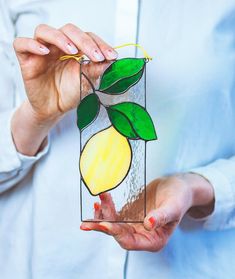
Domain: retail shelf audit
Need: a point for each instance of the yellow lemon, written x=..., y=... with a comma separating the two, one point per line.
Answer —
x=105, y=160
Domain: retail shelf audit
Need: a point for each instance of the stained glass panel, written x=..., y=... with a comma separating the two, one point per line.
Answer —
x=114, y=128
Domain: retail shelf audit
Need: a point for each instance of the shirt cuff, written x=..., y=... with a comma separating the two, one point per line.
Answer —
x=224, y=197
x=10, y=158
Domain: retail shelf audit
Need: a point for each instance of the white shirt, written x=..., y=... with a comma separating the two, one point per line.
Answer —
x=190, y=96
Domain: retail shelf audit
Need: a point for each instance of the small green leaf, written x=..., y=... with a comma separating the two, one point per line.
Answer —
x=135, y=121
x=87, y=110
x=121, y=75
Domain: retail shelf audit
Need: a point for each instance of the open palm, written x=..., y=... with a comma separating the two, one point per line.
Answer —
x=168, y=200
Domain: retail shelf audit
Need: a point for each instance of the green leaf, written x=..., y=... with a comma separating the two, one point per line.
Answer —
x=121, y=75
x=122, y=123
x=87, y=110
x=132, y=121
x=123, y=85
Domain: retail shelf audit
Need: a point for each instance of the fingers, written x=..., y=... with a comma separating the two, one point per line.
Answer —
x=160, y=217
x=69, y=39
x=27, y=45
x=108, y=207
x=127, y=236
x=83, y=42
x=123, y=233
x=94, y=71
x=97, y=211
x=133, y=239
x=117, y=230
x=94, y=226
x=55, y=37
x=107, y=50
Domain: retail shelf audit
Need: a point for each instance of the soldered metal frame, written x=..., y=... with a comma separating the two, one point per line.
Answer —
x=82, y=182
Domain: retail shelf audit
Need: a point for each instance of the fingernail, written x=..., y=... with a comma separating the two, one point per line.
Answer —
x=96, y=206
x=84, y=228
x=98, y=56
x=151, y=220
x=112, y=54
x=44, y=50
x=103, y=228
x=102, y=197
x=72, y=49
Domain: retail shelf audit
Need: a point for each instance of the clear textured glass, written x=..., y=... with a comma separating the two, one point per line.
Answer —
x=132, y=189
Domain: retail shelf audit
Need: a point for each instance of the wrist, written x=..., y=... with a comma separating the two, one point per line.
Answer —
x=202, y=195
x=38, y=119
x=28, y=130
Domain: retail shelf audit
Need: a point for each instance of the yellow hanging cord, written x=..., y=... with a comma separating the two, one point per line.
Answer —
x=136, y=45
x=79, y=57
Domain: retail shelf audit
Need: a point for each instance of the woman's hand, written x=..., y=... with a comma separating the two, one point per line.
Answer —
x=168, y=200
x=52, y=86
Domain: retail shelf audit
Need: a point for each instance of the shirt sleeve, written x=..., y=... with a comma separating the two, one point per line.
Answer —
x=27, y=14
x=221, y=175
x=13, y=165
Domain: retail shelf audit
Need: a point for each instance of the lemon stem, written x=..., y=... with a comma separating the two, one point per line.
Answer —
x=93, y=89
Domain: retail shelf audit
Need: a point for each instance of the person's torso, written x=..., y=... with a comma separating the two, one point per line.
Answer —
x=190, y=96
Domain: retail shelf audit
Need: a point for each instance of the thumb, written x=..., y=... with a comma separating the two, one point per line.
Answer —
x=161, y=216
